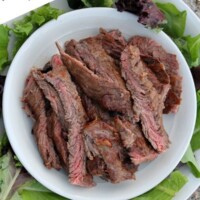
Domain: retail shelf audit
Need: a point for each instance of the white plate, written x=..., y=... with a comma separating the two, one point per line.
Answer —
x=37, y=50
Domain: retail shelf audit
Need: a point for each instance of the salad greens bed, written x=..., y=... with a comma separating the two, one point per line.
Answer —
x=15, y=182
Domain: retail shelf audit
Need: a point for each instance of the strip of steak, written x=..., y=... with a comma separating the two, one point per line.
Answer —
x=75, y=118
x=149, y=47
x=113, y=42
x=56, y=133
x=139, y=149
x=145, y=96
x=109, y=94
x=34, y=103
x=103, y=141
x=51, y=94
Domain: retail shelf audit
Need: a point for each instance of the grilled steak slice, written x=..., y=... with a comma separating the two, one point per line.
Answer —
x=56, y=133
x=146, y=98
x=113, y=42
x=103, y=141
x=75, y=119
x=139, y=149
x=34, y=102
x=51, y=94
x=149, y=47
x=98, y=61
x=108, y=93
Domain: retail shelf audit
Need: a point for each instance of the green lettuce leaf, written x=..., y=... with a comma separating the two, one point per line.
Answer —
x=190, y=160
x=167, y=189
x=4, y=40
x=176, y=20
x=98, y=3
x=26, y=26
x=33, y=190
x=8, y=175
x=193, y=44
x=190, y=47
x=195, y=143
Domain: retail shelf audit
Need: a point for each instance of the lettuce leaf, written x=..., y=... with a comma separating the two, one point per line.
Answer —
x=33, y=190
x=9, y=174
x=167, y=189
x=190, y=47
x=190, y=160
x=176, y=20
x=4, y=35
x=15, y=184
x=195, y=143
x=26, y=26
x=175, y=28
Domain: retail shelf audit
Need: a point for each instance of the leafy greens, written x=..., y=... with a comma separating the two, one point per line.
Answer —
x=190, y=47
x=22, y=29
x=4, y=35
x=175, y=28
x=25, y=27
x=98, y=3
x=176, y=20
x=195, y=144
x=190, y=160
x=32, y=190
